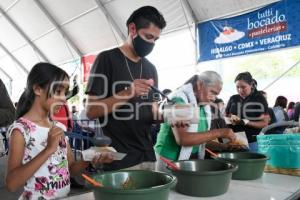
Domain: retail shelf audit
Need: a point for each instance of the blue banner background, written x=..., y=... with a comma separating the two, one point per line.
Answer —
x=272, y=27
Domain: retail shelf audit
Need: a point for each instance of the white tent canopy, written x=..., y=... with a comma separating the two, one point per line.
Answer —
x=60, y=31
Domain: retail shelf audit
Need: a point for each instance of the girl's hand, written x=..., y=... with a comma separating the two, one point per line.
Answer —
x=103, y=157
x=55, y=135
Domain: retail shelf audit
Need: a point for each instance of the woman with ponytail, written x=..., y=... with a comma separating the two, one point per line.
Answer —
x=40, y=158
x=247, y=110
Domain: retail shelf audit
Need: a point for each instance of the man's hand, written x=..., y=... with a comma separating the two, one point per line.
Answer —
x=141, y=87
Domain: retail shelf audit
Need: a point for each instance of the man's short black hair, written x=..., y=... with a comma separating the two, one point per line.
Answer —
x=143, y=16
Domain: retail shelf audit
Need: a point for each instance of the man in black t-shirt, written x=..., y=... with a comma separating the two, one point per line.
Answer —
x=119, y=91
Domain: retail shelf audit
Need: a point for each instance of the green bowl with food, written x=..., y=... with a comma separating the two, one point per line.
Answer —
x=251, y=165
x=203, y=178
x=133, y=185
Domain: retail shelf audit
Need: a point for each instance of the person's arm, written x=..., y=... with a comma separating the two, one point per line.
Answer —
x=17, y=173
x=101, y=100
x=101, y=107
x=184, y=138
x=7, y=109
x=156, y=97
x=264, y=118
x=78, y=166
x=263, y=122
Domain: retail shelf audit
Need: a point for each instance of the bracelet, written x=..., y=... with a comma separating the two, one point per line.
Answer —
x=246, y=121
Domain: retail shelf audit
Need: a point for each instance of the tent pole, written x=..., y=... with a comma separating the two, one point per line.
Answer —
x=282, y=75
x=58, y=28
x=186, y=4
x=111, y=20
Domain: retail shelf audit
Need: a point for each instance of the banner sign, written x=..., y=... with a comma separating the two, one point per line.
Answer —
x=87, y=62
x=272, y=27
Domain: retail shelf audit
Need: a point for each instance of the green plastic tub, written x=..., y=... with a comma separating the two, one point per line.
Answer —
x=283, y=150
x=133, y=185
x=203, y=178
x=250, y=165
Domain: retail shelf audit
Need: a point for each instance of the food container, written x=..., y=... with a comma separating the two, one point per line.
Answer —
x=133, y=185
x=203, y=178
x=250, y=165
x=284, y=153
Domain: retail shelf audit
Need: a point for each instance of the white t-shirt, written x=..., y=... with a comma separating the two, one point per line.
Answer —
x=52, y=179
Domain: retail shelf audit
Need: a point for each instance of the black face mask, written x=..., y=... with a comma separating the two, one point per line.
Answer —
x=141, y=46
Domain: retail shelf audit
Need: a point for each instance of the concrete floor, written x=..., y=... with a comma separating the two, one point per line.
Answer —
x=9, y=195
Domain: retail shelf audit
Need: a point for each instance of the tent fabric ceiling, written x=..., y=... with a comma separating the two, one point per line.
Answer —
x=86, y=25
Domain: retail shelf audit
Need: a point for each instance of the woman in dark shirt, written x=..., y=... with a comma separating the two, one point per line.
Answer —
x=247, y=110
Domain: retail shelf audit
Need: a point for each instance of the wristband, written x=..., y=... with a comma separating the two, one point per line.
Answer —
x=246, y=121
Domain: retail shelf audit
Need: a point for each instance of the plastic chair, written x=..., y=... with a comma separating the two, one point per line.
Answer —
x=3, y=142
x=81, y=140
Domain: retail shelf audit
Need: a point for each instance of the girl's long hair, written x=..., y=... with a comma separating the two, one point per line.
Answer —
x=44, y=75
